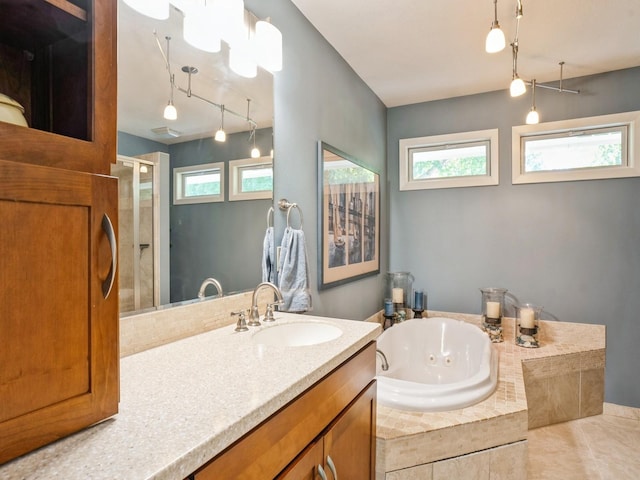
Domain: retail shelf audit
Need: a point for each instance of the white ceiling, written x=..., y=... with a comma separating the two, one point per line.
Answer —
x=411, y=51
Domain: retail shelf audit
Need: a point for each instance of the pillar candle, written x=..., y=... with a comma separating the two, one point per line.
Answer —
x=388, y=307
x=493, y=309
x=527, y=318
x=418, y=301
x=397, y=295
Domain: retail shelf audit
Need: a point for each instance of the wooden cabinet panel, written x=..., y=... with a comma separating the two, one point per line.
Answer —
x=350, y=442
x=59, y=358
x=59, y=61
x=305, y=467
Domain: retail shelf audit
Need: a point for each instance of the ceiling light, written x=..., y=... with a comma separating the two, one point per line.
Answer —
x=170, y=112
x=255, y=152
x=158, y=9
x=242, y=59
x=221, y=136
x=517, y=87
x=233, y=27
x=532, y=116
x=495, y=39
x=268, y=45
x=201, y=26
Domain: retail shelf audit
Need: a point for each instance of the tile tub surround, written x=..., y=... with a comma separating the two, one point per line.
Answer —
x=184, y=402
x=525, y=394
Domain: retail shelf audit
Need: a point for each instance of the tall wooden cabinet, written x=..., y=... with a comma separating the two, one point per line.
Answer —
x=59, y=361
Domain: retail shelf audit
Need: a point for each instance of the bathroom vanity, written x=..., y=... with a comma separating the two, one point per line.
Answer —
x=221, y=405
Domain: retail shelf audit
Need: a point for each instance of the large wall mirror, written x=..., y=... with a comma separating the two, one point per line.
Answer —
x=167, y=249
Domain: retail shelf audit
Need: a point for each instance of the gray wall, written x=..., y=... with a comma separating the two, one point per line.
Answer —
x=571, y=246
x=221, y=240
x=318, y=97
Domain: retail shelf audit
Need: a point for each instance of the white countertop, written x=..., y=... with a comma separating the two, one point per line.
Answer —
x=183, y=403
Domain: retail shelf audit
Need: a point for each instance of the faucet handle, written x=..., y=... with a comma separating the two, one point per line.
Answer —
x=241, y=326
x=268, y=316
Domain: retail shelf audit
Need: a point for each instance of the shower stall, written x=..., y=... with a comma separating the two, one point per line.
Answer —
x=137, y=225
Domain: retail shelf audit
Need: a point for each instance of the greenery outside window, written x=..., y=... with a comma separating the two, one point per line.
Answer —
x=580, y=149
x=251, y=179
x=198, y=184
x=447, y=161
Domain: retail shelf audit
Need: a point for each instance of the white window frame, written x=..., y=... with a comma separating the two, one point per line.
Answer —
x=630, y=166
x=407, y=144
x=180, y=172
x=235, y=189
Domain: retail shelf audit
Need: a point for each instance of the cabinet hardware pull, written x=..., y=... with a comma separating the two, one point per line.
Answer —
x=323, y=476
x=332, y=467
x=107, y=226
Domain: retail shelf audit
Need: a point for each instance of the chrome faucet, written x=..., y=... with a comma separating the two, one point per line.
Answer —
x=254, y=315
x=383, y=357
x=207, y=282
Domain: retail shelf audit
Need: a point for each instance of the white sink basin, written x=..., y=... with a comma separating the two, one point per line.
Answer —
x=297, y=334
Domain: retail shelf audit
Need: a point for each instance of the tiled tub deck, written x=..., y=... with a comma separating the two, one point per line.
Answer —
x=562, y=380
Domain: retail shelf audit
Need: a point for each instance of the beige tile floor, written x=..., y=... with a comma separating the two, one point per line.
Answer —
x=603, y=447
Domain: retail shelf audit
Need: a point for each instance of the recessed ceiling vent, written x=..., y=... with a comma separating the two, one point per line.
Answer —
x=166, y=132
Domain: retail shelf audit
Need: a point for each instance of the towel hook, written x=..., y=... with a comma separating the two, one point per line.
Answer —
x=270, y=217
x=294, y=205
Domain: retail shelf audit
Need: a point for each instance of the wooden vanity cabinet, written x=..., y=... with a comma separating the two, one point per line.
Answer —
x=59, y=358
x=334, y=418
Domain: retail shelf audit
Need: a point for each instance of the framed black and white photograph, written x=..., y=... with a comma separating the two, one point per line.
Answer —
x=349, y=218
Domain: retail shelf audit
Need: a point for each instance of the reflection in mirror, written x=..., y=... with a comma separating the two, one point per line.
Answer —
x=189, y=242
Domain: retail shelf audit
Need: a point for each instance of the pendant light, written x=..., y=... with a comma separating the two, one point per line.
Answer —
x=268, y=46
x=170, y=112
x=158, y=9
x=517, y=86
x=201, y=26
x=221, y=136
x=255, y=152
x=495, y=41
x=532, y=116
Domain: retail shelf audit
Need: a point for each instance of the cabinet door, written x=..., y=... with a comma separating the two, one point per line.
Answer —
x=305, y=467
x=349, y=445
x=58, y=333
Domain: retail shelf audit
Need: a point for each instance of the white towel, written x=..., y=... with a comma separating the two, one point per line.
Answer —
x=268, y=262
x=293, y=277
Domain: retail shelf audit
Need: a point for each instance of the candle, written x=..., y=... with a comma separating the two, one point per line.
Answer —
x=397, y=295
x=527, y=318
x=493, y=309
x=388, y=307
x=417, y=301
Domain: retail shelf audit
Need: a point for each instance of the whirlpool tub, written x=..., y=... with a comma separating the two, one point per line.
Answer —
x=435, y=364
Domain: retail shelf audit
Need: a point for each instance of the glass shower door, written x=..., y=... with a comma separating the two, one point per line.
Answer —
x=136, y=233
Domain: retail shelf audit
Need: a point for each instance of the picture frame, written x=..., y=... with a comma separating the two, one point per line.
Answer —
x=349, y=218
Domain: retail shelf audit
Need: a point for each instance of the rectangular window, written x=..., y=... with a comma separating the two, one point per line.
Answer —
x=580, y=149
x=251, y=179
x=198, y=184
x=447, y=161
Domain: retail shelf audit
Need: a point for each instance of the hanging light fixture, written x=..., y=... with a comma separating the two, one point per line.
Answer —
x=495, y=41
x=170, y=112
x=532, y=116
x=242, y=56
x=268, y=46
x=158, y=9
x=255, y=152
x=221, y=136
x=517, y=86
x=201, y=26
x=233, y=27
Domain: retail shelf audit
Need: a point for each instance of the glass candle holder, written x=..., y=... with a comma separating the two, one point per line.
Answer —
x=492, y=312
x=527, y=325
